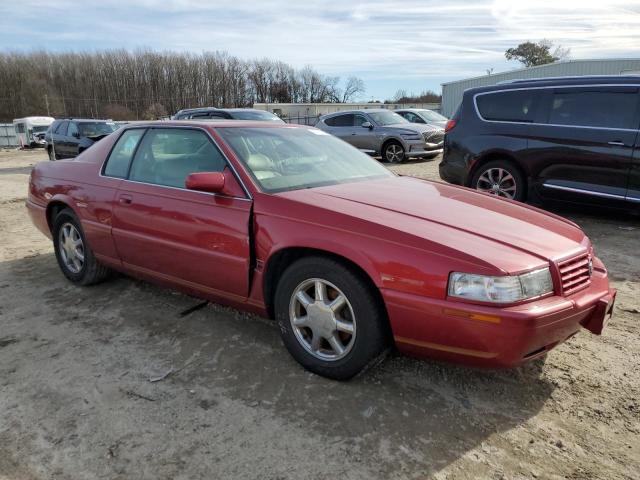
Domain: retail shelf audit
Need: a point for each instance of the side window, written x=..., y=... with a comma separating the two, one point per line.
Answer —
x=589, y=108
x=359, y=120
x=122, y=153
x=510, y=106
x=340, y=120
x=167, y=155
x=198, y=115
x=413, y=118
x=20, y=127
x=72, y=130
x=62, y=129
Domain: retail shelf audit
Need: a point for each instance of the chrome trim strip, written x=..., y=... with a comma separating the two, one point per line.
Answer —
x=475, y=104
x=633, y=199
x=580, y=190
x=186, y=127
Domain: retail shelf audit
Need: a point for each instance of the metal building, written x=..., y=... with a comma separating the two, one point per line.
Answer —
x=452, y=91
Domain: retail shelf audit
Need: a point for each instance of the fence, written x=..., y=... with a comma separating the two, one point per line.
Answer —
x=8, y=136
x=302, y=120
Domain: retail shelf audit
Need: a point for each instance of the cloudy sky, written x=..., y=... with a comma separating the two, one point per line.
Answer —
x=408, y=44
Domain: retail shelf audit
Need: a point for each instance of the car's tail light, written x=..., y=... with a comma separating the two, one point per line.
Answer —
x=450, y=125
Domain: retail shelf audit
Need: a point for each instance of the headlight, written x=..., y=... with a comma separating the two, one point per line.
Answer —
x=411, y=136
x=505, y=289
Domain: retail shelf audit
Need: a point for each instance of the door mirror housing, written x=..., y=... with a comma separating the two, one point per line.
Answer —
x=212, y=182
x=367, y=125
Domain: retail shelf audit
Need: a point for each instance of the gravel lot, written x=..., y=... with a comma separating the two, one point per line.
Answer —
x=77, y=401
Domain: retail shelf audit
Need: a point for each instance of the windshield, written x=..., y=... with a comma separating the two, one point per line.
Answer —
x=433, y=116
x=254, y=115
x=283, y=159
x=91, y=129
x=39, y=128
x=386, y=118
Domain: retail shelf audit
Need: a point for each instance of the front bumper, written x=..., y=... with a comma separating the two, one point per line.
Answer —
x=422, y=149
x=492, y=336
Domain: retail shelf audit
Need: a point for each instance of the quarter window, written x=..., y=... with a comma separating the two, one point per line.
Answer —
x=122, y=153
x=511, y=106
x=62, y=129
x=166, y=156
x=72, y=130
x=605, y=109
x=341, y=120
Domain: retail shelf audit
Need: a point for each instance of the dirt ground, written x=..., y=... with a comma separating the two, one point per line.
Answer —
x=76, y=400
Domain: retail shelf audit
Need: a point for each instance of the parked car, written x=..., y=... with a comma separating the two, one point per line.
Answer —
x=562, y=139
x=30, y=130
x=292, y=223
x=382, y=132
x=423, y=115
x=211, y=113
x=69, y=137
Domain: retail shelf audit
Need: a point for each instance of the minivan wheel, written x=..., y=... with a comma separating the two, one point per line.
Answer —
x=330, y=321
x=500, y=178
x=393, y=152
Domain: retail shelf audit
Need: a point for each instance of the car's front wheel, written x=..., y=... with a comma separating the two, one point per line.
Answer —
x=75, y=257
x=330, y=320
x=393, y=152
x=51, y=155
x=500, y=178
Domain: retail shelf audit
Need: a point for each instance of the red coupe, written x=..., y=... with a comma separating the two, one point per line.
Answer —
x=350, y=259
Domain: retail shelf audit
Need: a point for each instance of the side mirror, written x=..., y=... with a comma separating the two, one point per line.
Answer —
x=367, y=125
x=212, y=182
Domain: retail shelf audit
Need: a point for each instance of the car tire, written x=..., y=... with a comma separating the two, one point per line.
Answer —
x=51, y=155
x=74, y=256
x=393, y=152
x=501, y=178
x=359, y=324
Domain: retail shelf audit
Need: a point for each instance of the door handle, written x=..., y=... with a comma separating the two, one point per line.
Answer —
x=125, y=199
x=617, y=143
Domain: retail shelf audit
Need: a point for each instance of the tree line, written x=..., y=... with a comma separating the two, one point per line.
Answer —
x=145, y=84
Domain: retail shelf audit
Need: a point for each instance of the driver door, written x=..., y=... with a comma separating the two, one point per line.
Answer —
x=195, y=239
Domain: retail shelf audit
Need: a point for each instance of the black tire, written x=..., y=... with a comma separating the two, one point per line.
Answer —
x=91, y=271
x=372, y=336
x=513, y=178
x=50, y=152
x=391, y=154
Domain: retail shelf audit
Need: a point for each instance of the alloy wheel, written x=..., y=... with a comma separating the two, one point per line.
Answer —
x=497, y=181
x=71, y=247
x=322, y=319
x=394, y=153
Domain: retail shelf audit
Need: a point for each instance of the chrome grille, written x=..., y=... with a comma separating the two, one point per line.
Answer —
x=575, y=273
x=434, y=136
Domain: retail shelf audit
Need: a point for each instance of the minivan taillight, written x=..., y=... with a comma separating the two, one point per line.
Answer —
x=450, y=125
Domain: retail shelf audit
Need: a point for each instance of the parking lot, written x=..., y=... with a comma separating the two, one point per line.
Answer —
x=128, y=380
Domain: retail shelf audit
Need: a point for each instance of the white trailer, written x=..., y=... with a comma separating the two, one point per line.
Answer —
x=30, y=130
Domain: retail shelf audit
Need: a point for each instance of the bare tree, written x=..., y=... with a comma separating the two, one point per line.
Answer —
x=353, y=88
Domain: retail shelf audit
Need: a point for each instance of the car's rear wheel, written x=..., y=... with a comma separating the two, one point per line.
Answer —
x=393, y=152
x=500, y=178
x=330, y=320
x=75, y=257
x=51, y=155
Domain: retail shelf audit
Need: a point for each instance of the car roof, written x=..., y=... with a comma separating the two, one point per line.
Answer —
x=214, y=123
x=81, y=120
x=363, y=110
x=524, y=83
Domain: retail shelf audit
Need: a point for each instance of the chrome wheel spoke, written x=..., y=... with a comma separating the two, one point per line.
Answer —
x=336, y=344
x=344, y=326
x=321, y=291
x=300, y=321
x=316, y=341
x=339, y=302
x=304, y=299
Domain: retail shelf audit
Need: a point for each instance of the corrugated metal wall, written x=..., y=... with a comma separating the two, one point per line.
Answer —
x=452, y=92
x=8, y=135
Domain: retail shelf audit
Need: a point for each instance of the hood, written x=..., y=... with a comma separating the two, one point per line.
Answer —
x=508, y=235
x=413, y=127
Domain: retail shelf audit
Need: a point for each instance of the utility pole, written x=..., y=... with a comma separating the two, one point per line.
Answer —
x=46, y=101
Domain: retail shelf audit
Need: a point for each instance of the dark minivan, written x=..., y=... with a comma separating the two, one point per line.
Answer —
x=572, y=139
x=69, y=137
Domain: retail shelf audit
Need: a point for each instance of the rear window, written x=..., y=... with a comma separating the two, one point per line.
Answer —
x=511, y=106
x=341, y=120
x=122, y=153
x=605, y=109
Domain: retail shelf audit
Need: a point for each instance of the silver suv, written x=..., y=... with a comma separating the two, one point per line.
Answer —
x=382, y=132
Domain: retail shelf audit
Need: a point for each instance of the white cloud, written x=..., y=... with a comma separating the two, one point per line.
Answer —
x=393, y=43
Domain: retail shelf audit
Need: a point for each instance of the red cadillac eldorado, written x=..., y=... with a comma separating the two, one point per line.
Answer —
x=350, y=259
